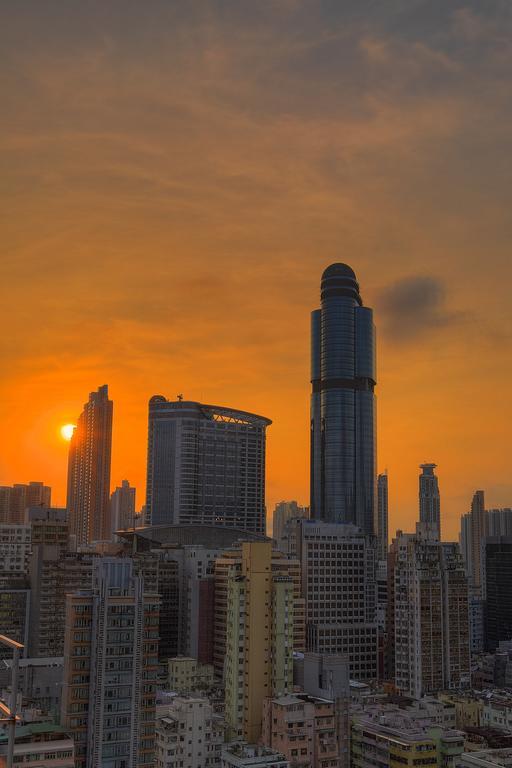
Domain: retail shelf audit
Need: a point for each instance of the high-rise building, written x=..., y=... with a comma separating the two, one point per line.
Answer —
x=499, y=522
x=259, y=639
x=111, y=664
x=228, y=566
x=206, y=465
x=429, y=627
x=382, y=516
x=89, y=471
x=338, y=564
x=430, y=502
x=498, y=578
x=284, y=511
x=122, y=507
x=343, y=404
x=15, y=499
x=478, y=520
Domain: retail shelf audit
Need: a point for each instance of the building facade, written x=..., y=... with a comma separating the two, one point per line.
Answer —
x=498, y=578
x=343, y=378
x=188, y=734
x=338, y=565
x=259, y=639
x=429, y=627
x=430, y=499
x=111, y=665
x=206, y=465
x=15, y=499
x=284, y=511
x=88, y=494
x=382, y=516
x=122, y=507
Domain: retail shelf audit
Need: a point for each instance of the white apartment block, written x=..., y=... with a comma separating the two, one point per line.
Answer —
x=188, y=734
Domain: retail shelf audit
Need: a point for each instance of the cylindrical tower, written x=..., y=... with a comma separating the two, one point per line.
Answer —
x=343, y=467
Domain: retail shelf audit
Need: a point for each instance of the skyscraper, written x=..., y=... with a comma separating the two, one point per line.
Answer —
x=89, y=470
x=206, y=465
x=343, y=404
x=382, y=516
x=430, y=504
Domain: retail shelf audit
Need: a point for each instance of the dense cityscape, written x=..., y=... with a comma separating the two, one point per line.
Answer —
x=188, y=633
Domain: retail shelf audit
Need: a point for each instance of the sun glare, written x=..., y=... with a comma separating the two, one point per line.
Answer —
x=67, y=431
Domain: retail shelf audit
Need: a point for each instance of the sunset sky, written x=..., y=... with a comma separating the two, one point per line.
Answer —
x=175, y=177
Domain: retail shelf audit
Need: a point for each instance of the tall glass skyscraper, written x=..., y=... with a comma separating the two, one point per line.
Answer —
x=343, y=477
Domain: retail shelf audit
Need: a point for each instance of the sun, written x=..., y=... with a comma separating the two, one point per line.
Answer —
x=67, y=431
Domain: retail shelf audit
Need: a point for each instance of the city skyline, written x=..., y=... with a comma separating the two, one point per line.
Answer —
x=175, y=226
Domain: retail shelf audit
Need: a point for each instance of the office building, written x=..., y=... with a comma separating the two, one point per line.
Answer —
x=242, y=755
x=15, y=499
x=122, y=507
x=429, y=498
x=111, y=664
x=338, y=565
x=206, y=465
x=429, y=627
x=259, y=639
x=284, y=511
x=88, y=496
x=188, y=734
x=382, y=516
x=343, y=378
x=498, y=578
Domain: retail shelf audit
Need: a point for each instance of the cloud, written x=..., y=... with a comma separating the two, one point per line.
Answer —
x=413, y=306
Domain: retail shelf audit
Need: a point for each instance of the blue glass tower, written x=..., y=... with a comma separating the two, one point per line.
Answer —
x=343, y=477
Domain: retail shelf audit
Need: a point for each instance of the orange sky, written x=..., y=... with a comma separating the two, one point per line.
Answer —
x=175, y=177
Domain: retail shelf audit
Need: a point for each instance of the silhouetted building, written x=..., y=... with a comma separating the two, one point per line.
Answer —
x=89, y=470
x=498, y=581
x=430, y=503
x=206, y=465
x=343, y=467
x=15, y=499
x=122, y=507
x=382, y=516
